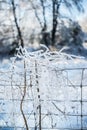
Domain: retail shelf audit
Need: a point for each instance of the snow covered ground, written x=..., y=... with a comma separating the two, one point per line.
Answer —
x=52, y=80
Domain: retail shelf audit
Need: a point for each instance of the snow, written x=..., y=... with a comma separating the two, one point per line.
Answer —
x=52, y=80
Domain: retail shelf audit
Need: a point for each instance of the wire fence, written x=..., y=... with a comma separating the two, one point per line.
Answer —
x=37, y=94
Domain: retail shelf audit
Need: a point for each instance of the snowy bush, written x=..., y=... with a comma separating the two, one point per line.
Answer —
x=70, y=33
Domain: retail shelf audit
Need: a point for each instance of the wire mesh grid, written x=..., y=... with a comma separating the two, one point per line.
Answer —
x=37, y=96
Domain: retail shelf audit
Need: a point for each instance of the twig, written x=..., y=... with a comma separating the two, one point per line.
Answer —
x=33, y=102
x=81, y=99
x=36, y=14
x=38, y=94
x=23, y=96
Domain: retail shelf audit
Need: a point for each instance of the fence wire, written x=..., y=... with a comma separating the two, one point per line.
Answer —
x=37, y=94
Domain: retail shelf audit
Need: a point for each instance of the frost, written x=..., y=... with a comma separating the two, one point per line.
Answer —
x=43, y=90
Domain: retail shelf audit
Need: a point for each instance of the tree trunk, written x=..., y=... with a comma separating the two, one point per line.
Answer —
x=56, y=6
x=17, y=26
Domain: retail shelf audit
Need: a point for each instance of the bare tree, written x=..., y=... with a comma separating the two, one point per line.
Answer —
x=16, y=23
x=47, y=13
x=55, y=9
x=55, y=14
